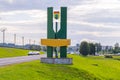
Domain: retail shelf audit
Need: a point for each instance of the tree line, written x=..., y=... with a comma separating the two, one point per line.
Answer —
x=87, y=48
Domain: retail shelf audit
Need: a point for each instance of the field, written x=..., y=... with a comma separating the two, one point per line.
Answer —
x=83, y=68
x=102, y=68
x=12, y=52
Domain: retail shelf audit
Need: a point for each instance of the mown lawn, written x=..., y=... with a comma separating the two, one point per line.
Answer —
x=83, y=68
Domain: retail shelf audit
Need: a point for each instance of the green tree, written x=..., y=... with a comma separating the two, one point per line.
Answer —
x=98, y=47
x=92, y=49
x=84, y=48
x=116, y=48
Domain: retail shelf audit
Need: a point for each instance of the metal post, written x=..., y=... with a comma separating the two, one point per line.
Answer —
x=56, y=51
x=56, y=30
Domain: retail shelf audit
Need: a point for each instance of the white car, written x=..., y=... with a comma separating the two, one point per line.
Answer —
x=33, y=53
x=118, y=53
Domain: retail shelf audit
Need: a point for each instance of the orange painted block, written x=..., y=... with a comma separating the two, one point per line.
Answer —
x=55, y=42
x=56, y=12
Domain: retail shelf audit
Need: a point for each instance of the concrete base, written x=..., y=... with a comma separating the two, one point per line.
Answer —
x=56, y=60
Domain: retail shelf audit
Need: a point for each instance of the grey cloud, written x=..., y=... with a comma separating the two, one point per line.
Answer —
x=103, y=16
x=78, y=27
x=36, y=4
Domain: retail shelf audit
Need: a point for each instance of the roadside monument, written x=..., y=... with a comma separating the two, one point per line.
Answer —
x=56, y=41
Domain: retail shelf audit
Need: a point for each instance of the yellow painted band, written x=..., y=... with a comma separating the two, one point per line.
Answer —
x=55, y=42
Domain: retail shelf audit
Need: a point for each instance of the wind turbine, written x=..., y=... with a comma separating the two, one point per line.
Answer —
x=3, y=30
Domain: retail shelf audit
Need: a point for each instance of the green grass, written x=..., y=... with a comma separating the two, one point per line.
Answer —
x=41, y=52
x=37, y=71
x=83, y=68
x=12, y=52
x=103, y=68
x=116, y=57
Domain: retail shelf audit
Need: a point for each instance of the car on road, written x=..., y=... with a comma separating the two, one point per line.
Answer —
x=70, y=52
x=118, y=54
x=33, y=53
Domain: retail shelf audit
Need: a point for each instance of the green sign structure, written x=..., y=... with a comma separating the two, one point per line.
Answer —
x=61, y=34
x=56, y=38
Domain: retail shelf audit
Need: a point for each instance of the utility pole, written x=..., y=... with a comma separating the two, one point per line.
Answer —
x=34, y=42
x=3, y=30
x=29, y=41
x=14, y=39
x=34, y=45
x=23, y=41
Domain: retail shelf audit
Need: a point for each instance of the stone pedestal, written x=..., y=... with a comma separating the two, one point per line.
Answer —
x=56, y=60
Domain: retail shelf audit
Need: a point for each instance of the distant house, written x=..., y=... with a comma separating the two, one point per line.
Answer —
x=73, y=49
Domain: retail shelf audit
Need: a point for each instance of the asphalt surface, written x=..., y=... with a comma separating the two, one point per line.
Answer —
x=13, y=60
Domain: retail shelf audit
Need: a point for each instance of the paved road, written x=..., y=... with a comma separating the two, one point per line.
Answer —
x=7, y=61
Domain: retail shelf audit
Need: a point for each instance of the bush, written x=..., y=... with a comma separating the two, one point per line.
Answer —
x=108, y=56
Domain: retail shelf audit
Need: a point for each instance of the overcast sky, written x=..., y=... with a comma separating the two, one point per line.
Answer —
x=91, y=20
